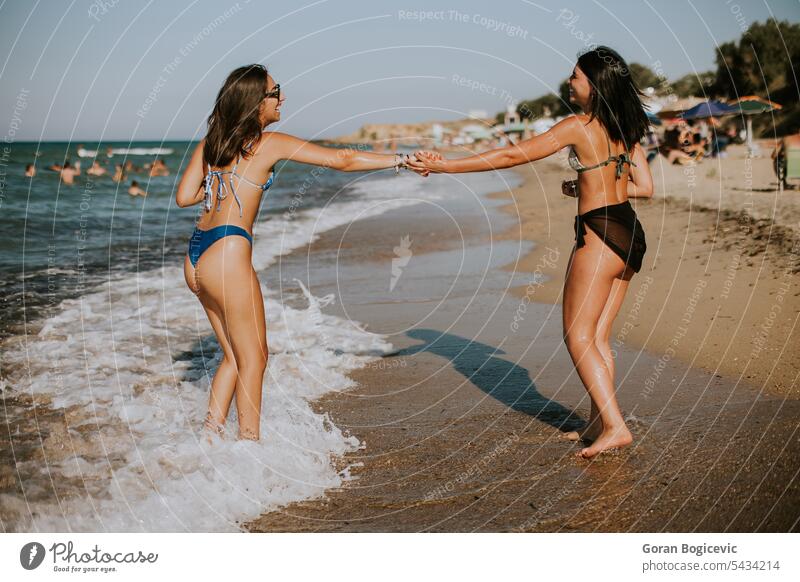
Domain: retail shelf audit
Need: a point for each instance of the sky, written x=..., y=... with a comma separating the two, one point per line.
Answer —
x=130, y=70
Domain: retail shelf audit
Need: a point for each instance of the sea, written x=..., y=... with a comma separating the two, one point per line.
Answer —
x=98, y=324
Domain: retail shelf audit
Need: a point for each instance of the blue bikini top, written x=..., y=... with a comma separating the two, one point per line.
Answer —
x=222, y=188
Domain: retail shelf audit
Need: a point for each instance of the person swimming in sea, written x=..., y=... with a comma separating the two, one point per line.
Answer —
x=68, y=172
x=96, y=169
x=135, y=190
x=158, y=168
x=119, y=173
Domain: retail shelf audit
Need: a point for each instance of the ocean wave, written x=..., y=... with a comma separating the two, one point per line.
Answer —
x=132, y=363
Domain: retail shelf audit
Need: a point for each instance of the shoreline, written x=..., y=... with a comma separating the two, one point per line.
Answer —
x=150, y=394
x=463, y=423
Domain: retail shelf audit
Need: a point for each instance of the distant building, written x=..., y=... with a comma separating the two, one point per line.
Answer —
x=511, y=117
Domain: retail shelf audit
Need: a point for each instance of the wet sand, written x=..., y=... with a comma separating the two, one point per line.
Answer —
x=463, y=426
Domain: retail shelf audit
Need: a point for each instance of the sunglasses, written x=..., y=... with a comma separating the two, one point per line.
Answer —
x=276, y=92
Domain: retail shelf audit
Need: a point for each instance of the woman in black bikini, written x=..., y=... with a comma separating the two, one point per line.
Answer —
x=218, y=265
x=610, y=250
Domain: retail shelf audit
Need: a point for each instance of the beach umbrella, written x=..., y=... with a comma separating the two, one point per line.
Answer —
x=673, y=108
x=653, y=118
x=709, y=109
x=754, y=105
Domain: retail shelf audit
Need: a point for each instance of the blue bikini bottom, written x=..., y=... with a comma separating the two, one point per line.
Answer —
x=202, y=239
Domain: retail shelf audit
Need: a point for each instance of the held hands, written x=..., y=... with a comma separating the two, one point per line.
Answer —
x=425, y=162
x=422, y=162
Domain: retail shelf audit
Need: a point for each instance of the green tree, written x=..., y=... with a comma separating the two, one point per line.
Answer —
x=763, y=62
x=760, y=62
x=732, y=79
x=644, y=76
x=549, y=105
x=694, y=85
x=543, y=106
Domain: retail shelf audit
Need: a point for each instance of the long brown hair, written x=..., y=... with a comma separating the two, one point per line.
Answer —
x=234, y=122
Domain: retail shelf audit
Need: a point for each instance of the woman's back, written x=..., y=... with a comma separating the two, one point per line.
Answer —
x=603, y=175
x=234, y=192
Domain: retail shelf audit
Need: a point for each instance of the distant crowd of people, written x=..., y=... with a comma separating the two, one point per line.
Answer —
x=687, y=142
x=69, y=171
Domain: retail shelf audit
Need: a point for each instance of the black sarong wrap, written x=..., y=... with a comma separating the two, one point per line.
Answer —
x=619, y=228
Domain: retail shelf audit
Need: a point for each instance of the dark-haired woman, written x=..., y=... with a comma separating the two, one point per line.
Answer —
x=230, y=170
x=610, y=242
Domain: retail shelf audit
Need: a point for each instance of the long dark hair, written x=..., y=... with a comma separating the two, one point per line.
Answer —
x=617, y=100
x=234, y=122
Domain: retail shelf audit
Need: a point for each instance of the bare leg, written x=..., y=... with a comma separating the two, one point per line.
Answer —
x=249, y=340
x=588, y=288
x=603, y=340
x=224, y=382
x=594, y=426
x=235, y=291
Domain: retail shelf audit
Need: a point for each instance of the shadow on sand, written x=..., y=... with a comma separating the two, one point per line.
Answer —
x=503, y=380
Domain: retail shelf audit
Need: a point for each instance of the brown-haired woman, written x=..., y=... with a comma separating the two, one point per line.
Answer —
x=236, y=158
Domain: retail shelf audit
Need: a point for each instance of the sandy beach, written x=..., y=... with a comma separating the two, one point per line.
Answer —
x=460, y=426
x=463, y=426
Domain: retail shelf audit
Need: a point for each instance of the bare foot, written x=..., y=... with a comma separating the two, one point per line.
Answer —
x=611, y=439
x=212, y=428
x=588, y=433
x=248, y=435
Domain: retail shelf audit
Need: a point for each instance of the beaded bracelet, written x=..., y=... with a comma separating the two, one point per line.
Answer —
x=400, y=161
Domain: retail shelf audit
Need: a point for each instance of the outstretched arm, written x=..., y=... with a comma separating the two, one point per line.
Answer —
x=559, y=136
x=641, y=180
x=350, y=159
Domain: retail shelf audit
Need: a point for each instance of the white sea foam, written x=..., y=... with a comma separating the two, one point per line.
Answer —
x=135, y=359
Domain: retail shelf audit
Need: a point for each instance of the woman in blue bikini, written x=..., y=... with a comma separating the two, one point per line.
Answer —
x=236, y=158
x=610, y=250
